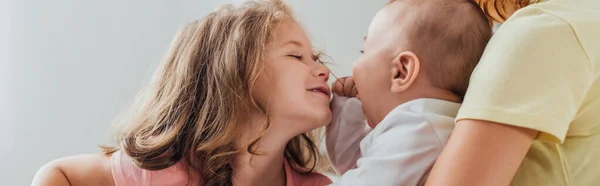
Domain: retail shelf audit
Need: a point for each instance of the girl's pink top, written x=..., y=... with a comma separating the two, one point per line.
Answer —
x=126, y=173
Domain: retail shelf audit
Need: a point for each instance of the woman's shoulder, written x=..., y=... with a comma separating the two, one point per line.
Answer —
x=529, y=34
x=546, y=20
x=532, y=23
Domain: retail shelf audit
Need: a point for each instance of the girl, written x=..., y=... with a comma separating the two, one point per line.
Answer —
x=233, y=103
x=531, y=115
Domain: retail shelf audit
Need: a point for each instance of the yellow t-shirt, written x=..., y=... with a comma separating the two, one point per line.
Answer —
x=541, y=71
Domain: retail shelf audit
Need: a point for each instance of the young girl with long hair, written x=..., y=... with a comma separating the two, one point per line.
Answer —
x=233, y=103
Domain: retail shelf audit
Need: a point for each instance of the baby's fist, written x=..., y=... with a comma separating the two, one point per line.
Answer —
x=345, y=87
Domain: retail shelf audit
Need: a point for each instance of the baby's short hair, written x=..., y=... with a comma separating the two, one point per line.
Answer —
x=449, y=37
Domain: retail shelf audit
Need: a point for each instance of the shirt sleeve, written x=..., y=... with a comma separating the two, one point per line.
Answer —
x=401, y=153
x=533, y=74
x=348, y=127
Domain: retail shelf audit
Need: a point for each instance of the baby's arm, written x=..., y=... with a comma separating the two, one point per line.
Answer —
x=348, y=127
x=398, y=154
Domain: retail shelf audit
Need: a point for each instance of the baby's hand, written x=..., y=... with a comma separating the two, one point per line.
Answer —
x=345, y=87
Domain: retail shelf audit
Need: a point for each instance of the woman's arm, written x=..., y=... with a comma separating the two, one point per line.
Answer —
x=481, y=153
x=88, y=170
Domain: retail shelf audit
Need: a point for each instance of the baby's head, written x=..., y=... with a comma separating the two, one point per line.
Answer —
x=419, y=49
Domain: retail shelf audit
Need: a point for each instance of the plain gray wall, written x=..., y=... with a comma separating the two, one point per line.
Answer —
x=68, y=67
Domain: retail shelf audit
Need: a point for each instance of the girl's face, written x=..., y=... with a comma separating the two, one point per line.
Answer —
x=294, y=84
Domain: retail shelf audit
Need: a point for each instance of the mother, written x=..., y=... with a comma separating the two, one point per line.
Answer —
x=532, y=113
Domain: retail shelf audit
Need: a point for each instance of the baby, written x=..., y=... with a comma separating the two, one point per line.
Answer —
x=414, y=71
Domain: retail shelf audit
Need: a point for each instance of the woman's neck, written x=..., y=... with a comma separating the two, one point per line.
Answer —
x=265, y=168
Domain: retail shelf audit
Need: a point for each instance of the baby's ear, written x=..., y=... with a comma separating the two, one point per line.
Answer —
x=405, y=69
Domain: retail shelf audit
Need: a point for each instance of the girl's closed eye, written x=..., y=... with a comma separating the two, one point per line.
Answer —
x=297, y=56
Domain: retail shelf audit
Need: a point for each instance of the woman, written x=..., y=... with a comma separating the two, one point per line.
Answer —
x=232, y=104
x=531, y=115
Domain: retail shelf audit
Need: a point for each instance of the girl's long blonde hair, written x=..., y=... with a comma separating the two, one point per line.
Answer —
x=202, y=91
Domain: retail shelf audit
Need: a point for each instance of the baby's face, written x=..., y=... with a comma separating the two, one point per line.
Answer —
x=373, y=69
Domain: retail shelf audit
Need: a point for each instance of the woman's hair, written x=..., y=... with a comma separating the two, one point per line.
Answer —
x=201, y=94
x=503, y=8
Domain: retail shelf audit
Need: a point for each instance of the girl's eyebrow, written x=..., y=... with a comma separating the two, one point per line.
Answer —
x=293, y=42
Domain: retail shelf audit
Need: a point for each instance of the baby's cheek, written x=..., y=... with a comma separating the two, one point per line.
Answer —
x=357, y=70
x=360, y=76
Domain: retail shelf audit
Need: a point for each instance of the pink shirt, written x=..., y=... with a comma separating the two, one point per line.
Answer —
x=125, y=173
